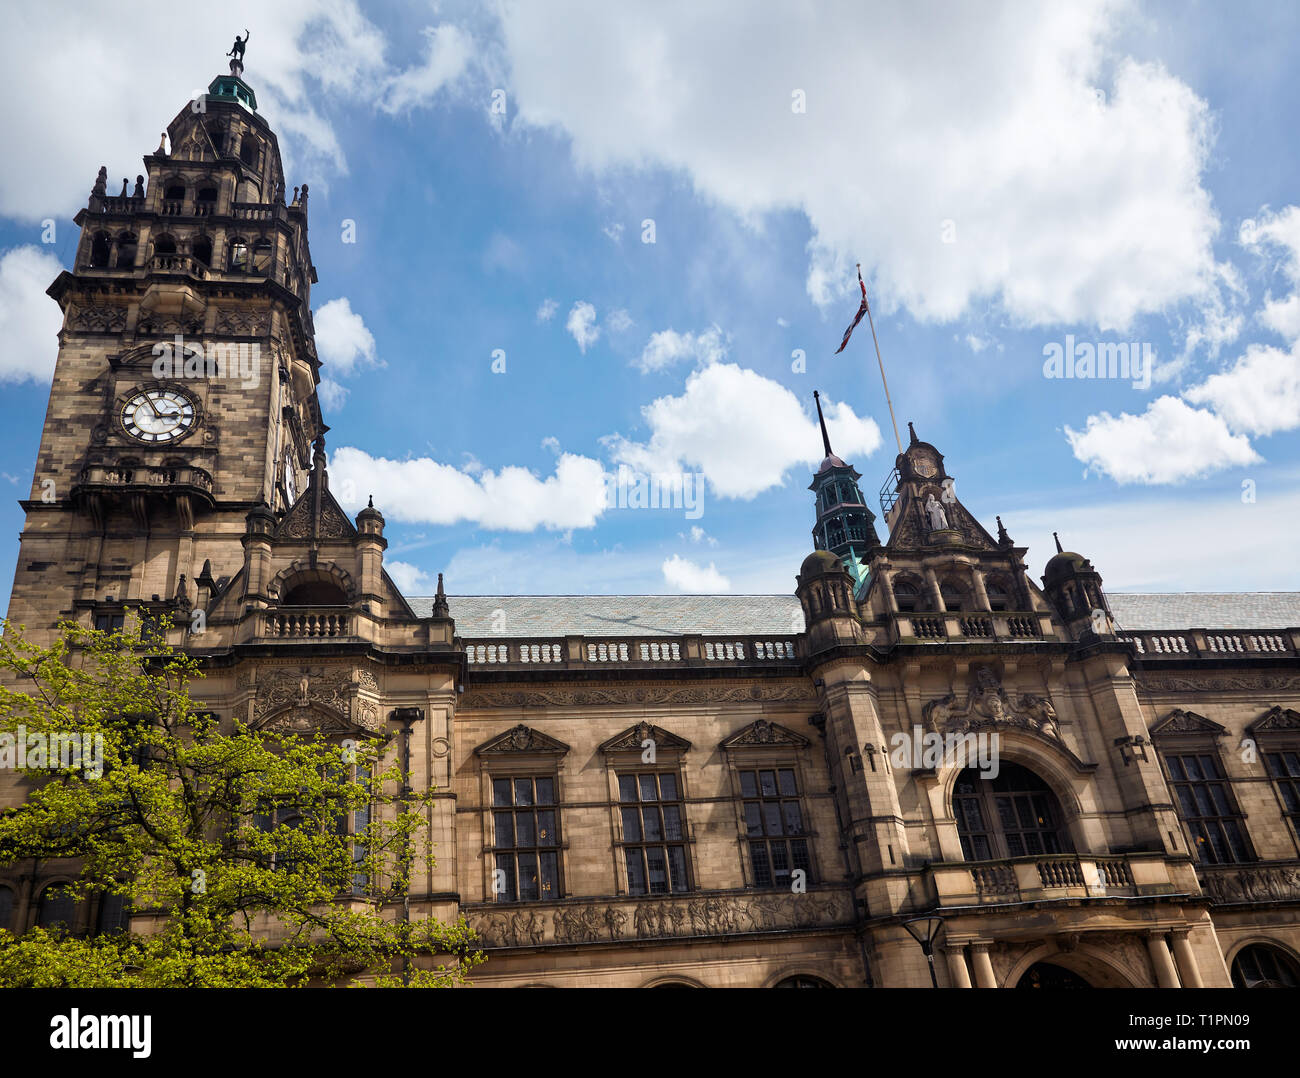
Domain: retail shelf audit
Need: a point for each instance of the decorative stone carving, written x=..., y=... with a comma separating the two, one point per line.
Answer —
x=756, y=692
x=938, y=518
x=988, y=704
x=104, y=319
x=1275, y=720
x=522, y=739
x=762, y=733
x=661, y=918
x=1235, y=683
x=306, y=698
x=1253, y=884
x=633, y=739
x=1179, y=721
x=236, y=323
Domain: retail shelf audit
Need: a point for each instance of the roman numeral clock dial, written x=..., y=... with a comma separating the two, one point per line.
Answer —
x=158, y=416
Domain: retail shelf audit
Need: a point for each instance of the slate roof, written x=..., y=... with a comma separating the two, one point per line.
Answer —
x=754, y=615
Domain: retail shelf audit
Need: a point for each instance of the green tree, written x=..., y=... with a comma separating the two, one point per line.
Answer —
x=246, y=858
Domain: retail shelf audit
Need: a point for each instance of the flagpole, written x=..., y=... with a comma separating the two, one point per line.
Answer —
x=885, y=381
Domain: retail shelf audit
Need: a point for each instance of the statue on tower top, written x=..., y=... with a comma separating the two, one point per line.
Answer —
x=237, y=49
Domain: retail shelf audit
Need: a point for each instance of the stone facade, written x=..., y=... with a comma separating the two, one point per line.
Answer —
x=760, y=764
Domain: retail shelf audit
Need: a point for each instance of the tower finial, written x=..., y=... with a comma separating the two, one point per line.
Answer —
x=440, y=607
x=1059, y=548
x=911, y=430
x=826, y=439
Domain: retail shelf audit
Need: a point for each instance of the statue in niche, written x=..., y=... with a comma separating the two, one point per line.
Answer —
x=938, y=518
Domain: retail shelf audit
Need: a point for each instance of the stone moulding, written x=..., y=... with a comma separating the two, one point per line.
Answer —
x=754, y=692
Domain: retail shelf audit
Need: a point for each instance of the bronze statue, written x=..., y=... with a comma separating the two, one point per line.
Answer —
x=237, y=49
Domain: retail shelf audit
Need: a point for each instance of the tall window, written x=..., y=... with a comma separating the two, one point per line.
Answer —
x=1013, y=815
x=653, y=833
x=56, y=908
x=526, y=839
x=1284, y=767
x=6, y=909
x=109, y=623
x=773, y=822
x=1261, y=966
x=1206, y=806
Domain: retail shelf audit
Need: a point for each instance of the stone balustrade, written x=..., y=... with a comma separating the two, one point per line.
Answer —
x=1208, y=643
x=301, y=623
x=574, y=652
x=1029, y=879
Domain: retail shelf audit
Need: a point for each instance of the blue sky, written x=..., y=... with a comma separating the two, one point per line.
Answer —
x=1007, y=177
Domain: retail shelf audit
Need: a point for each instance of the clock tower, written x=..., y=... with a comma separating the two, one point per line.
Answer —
x=184, y=393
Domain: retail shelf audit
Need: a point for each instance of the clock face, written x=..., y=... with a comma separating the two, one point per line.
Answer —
x=158, y=415
x=290, y=483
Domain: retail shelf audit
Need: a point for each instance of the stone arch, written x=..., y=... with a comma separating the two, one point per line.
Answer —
x=300, y=574
x=800, y=969
x=1094, y=964
x=669, y=980
x=1256, y=940
x=1050, y=762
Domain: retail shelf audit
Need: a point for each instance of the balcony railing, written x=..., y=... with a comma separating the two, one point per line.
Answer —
x=144, y=476
x=969, y=625
x=178, y=263
x=303, y=623
x=577, y=651
x=1030, y=879
x=1209, y=643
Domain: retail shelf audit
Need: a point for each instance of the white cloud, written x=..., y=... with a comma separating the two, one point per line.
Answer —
x=1259, y=395
x=29, y=319
x=408, y=578
x=743, y=431
x=425, y=491
x=332, y=394
x=1279, y=234
x=1168, y=443
x=342, y=339
x=668, y=347
x=614, y=231
x=618, y=321
x=699, y=535
x=685, y=575
x=1071, y=173
x=546, y=310
x=582, y=324
x=448, y=53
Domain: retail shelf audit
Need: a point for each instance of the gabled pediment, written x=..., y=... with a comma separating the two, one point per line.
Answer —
x=522, y=741
x=1276, y=720
x=334, y=523
x=1179, y=721
x=762, y=734
x=634, y=737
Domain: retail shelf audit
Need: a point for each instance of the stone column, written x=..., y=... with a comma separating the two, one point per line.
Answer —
x=977, y=582
x=1187, y=968
x=1166, y=975
x=936, y=596
x=957, y=970
x=979, y=958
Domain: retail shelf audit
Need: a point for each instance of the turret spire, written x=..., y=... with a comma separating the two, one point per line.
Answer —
x=1059, y=549
x=826, y=439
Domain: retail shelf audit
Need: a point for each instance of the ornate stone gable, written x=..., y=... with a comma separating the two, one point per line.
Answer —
x=334, y=523
x=306, y=698
x=762, y=734
x=522, y=740
x=633, y=739
x=1179, y=721
x=1276, y=720
x=988, y=704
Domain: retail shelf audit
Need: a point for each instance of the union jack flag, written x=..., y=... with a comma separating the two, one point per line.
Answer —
x=857, y=317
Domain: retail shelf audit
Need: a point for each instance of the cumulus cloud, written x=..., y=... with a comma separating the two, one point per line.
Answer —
x=342, y=339
x=999, y=137
x=618, y=321
x=425, y=491
x=743, y=431
x=448, y=52
x=582, y=324
x=685, y=575
x=668, y=347
x=408, y=578
x=1260, y=394
x=332, y=394
x=29, y=319
x=546, y=310
x=1170, y=442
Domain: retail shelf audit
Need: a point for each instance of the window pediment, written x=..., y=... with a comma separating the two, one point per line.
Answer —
x=522, y=741
x=762, y=734
x=1184, y=723
x=1277, y=720
x=633, y=738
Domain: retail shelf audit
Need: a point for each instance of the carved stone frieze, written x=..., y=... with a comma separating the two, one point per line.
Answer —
x=105, y=319
x=1252, y=884
x=1251, y=682
x=660, y=918
x=635, y=694
x=988, y=704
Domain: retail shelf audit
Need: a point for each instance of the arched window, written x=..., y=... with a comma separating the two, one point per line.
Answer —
x=6, y=909
x=908, y=596
x=1262, y=966
x=205, y=202
x=999, y=592
x=112, y=918
x=164, y=245
x=202, y=249
x=126, y=248
x=56, y=908
x=249, y=150
x=99, y=250
x=218, y=138
x=954, y=596
x=1013, y=815
x=238, y=256
x=802, y=981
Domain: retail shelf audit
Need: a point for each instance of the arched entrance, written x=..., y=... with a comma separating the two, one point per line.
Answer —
x=1050, y=975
